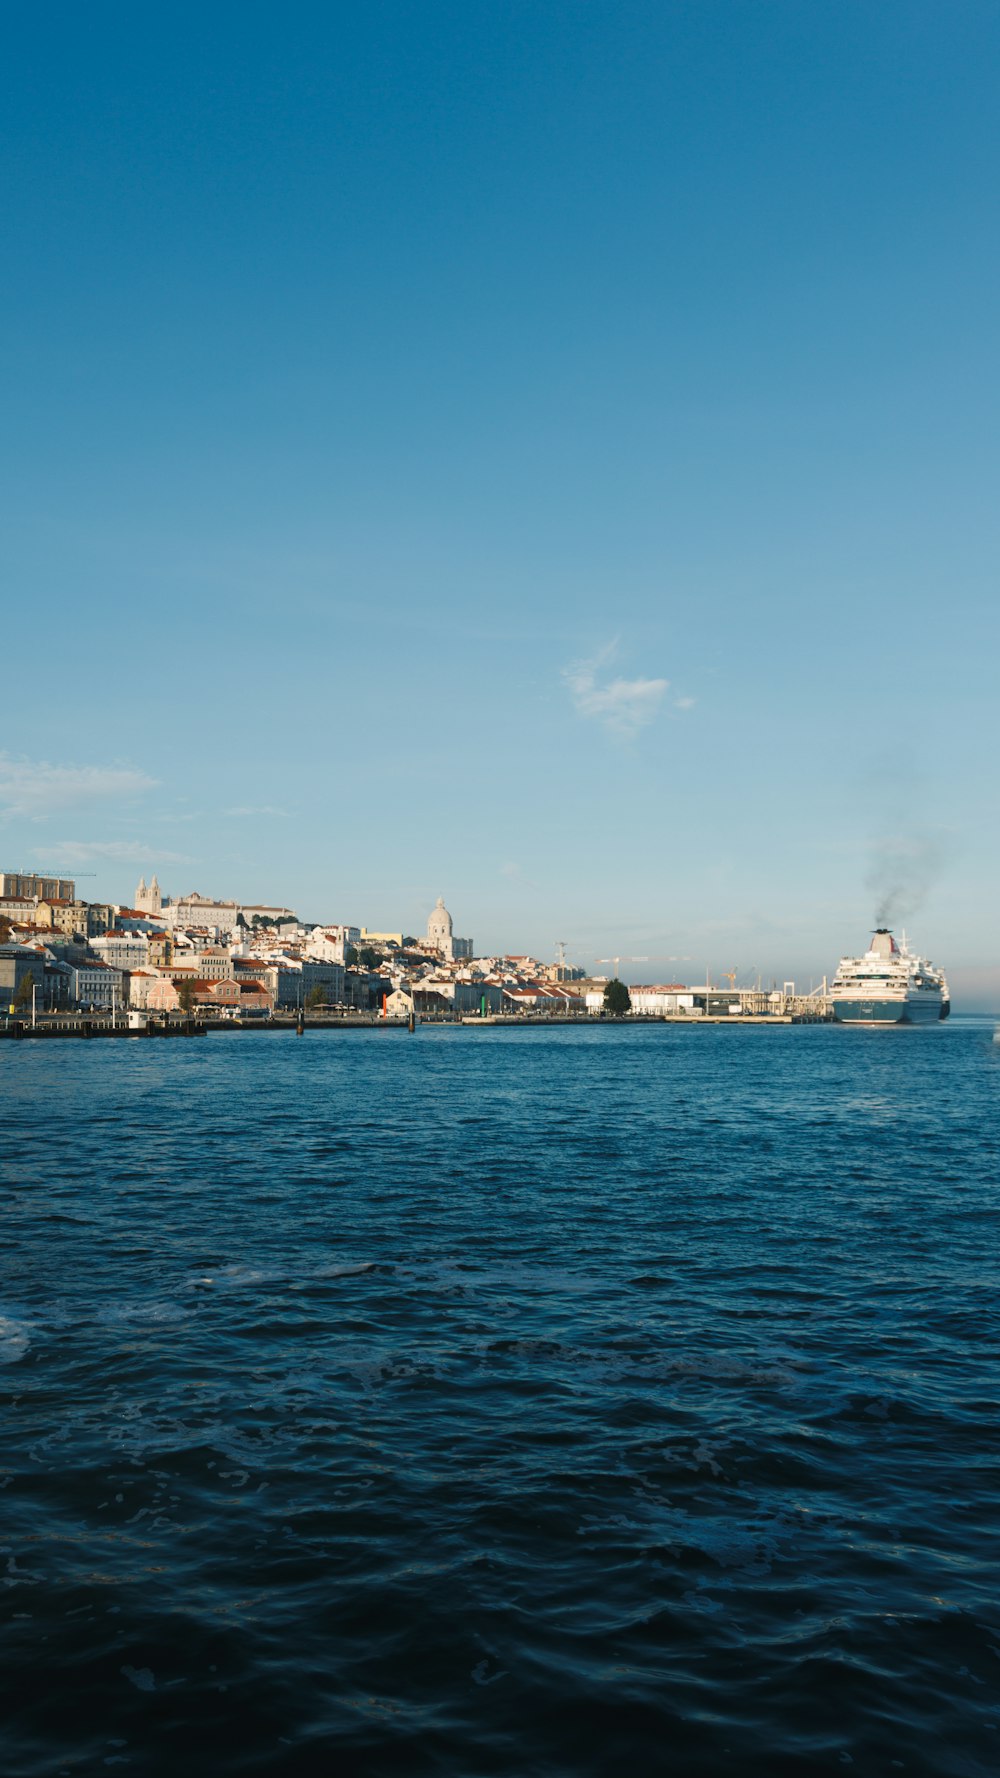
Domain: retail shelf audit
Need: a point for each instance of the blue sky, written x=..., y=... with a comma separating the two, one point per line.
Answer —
x=541, y=454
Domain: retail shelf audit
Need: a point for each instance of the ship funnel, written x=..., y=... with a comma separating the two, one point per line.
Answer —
x=883, y=944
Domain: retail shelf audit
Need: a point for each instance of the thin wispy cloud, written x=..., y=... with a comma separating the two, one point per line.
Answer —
x=622, y=706
x=514, y=873
x=77, y=852
x=36, y=787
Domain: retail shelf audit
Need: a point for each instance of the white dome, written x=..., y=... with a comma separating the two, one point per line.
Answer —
x=440, y=919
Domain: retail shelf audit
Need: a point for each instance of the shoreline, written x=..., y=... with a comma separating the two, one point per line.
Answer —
x=83, y=1030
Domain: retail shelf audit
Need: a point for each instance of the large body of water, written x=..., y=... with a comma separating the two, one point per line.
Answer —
x=538, y=1404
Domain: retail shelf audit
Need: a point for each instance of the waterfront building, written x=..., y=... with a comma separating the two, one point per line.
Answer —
x=470, y=997
x=280, y=975
x=364, y=988
x=538, y=997
x=140, y=983
x=179, y=973
x=659, y=998
x=21, y=964
x=57, y=984
x=95, y=986
x=161, y=995
x=325, y=975
x=291, y=981
x=400, y=1003
x=434, y=981
x=233, y=996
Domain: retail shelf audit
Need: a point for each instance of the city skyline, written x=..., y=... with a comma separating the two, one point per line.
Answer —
x=546, y=461
x=683, y=969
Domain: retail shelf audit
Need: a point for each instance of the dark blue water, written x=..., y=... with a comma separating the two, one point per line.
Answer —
x=479, y=1402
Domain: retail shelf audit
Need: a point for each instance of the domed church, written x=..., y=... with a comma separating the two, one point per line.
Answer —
x=440, y=934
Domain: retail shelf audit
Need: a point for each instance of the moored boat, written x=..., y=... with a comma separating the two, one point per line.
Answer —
x=889, y=985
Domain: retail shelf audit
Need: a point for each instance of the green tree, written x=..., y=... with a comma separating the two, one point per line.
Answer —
x=350, y=955
x=617, y=999
x=23, y=995
x=316, y=995
x=185, y=993
x=369, y=958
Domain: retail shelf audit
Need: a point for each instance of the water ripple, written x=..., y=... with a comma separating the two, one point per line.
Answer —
x=502, y=1404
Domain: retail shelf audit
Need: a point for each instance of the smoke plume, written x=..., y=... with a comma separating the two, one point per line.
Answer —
x=903, y=868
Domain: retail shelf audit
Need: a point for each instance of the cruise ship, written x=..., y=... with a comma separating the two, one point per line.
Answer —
x=889, y=985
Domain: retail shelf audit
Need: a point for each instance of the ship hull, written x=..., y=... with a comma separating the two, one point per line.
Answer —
x=887, y=1012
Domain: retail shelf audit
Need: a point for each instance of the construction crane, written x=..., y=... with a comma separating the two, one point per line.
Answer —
x=617, y=960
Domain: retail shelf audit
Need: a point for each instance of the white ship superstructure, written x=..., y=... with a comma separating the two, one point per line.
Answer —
x=889, y=985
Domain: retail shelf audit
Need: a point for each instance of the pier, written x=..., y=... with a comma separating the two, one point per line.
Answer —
x=80, y=1028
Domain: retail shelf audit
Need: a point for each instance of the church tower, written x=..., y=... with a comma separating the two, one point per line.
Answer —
x=439, y=930
x=148, y=901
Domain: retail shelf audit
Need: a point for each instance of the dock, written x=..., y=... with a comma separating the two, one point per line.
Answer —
x=49, y=1027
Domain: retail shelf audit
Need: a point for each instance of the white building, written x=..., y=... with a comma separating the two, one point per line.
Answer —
x=122, y=950
x=661, y=997
x=213, y=963
x=277, y=916
x=441, y=937
x=328, y=944
x=200, y=910
x=219, y=916
x=94, y=986
x=141, y=983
